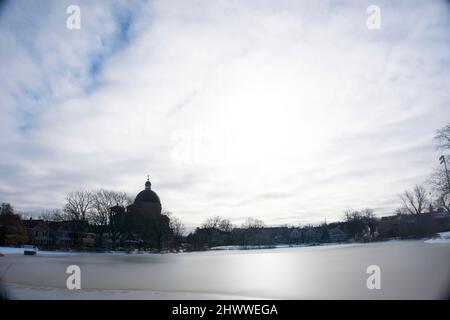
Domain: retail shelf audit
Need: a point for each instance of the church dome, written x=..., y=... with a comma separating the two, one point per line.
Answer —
x=147, y=195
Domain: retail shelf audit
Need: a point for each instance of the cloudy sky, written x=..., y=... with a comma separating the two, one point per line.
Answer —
x=287, y=111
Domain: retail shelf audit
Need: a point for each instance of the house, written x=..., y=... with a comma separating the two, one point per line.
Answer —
x=38, y=232
x=337, y=235
x=312, y=234
x=61, y=234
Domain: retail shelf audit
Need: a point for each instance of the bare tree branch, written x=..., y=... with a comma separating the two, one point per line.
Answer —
x=443, y=138
x=415, y=201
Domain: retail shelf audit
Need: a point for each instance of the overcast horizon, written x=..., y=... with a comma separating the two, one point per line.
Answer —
x=286, y=111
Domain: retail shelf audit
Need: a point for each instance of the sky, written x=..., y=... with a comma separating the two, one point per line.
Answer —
x=287, y=111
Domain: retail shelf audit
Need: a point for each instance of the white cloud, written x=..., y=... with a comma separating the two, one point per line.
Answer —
x=286, y=111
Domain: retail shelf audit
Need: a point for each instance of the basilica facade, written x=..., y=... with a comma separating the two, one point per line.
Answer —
x=141, y=223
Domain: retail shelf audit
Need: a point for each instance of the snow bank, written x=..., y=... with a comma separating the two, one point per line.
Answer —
x=442, y=237
x=284, y=246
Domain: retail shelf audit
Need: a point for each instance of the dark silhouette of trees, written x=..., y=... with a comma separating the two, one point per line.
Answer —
x=252, y=231
x=177, y=230
x=358, y=221
x=6, y=209
x=77, y=209
x=78, y=205
x=100, y=213
x=118, y=224
x=325, y=236
x=213, y=228
x=52, y=215
x=12, y=231
x=415, y=201
x=439, y=186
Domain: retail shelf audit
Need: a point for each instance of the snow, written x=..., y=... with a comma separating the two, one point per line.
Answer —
x=14, y=291
x=440, y=238
x=46, y=293
x=318, y=272
x=15, y=251
x=20, y=251
x=284, y=246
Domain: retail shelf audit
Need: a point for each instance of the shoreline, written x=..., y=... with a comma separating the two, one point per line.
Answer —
x=7, y=251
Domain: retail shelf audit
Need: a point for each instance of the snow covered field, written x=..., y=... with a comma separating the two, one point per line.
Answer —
x=409, y=269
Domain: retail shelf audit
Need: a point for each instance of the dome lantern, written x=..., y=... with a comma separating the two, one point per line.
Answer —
x=148, y=184
x=147, y=195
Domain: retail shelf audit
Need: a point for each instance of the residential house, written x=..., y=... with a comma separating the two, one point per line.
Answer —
x=38, y=232
x=337, y=235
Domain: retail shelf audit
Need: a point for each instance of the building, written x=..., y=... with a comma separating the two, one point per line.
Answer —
x=141, y=223
x=414, y=225
x=146, y=202
x=61, y=234
x=337, y=235
x=38, y=232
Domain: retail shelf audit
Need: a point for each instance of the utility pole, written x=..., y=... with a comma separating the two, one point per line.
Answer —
x=447, y=196
x=442, y=161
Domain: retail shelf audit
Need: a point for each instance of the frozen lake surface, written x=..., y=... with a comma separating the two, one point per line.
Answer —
x=409, y=270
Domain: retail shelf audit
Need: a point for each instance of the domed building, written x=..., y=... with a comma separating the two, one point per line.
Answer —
x=141, y=223
x=146, y=201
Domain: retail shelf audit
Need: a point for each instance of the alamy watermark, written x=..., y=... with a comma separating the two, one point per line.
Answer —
x=73, y=281
x=373, y=21
x=374, y=280
x=73, y=21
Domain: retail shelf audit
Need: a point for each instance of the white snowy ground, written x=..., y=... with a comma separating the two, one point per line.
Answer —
x=441, y=238
x=284, y=246
x=278, y=273
x=14, y=291
x=13, y=250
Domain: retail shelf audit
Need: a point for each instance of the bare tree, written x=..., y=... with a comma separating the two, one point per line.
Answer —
x=252, y=229
x=78, y=205
x=218, y=223
x=439, y=186
x=102, y=201
x=443, y=138
x=176, y=225
x=101, y=215
x=77, y=209
x=177, y=228
x=52, y=215
x=253, y=223
x=212, y=223
x=213, y=226
x=225, y=225
x=415, y=201
x=438, y=179
x=6, y=209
